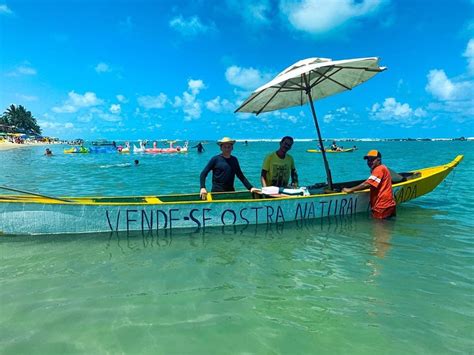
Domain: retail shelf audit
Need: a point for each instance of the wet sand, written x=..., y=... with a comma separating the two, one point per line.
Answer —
x=8, y=145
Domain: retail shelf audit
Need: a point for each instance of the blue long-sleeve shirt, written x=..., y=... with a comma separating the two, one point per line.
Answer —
x=224, y=171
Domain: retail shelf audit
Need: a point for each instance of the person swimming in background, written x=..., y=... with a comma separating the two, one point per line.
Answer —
x=48, y=152
x=136, y=162
x=200, y=147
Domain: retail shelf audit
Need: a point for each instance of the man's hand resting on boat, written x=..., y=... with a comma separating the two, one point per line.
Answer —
x=362, y=186
x=203, y=192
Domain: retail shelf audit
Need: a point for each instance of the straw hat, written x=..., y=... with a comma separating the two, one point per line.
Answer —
x=226, y=140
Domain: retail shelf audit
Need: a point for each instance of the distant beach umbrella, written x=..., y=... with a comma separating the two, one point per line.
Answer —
x=308, y=80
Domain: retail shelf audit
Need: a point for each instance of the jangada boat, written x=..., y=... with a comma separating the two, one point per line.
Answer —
x=39, y=214
x=348, y=150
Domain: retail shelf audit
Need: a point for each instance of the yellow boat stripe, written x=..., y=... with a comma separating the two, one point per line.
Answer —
x=152, y=200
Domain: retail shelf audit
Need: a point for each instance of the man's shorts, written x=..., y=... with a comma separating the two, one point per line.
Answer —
x=385, y=213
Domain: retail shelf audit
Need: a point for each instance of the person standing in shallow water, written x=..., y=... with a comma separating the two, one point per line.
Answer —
x=380, y=183
x=224, y=168
x=200, y=147
x=279, y=166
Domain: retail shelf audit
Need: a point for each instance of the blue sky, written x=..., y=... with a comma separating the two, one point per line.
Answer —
x=178, y=69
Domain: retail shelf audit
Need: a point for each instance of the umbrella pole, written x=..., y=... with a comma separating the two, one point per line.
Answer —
x=323, y=151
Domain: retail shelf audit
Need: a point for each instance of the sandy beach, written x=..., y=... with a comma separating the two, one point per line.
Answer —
x=9, y=145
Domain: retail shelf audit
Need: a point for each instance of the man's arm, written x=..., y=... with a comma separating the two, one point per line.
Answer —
x=263, y=177
x=294, y=177
x=359, y=187
x=203, y=176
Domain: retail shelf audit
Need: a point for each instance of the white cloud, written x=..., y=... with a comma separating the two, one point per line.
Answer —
x=341, y=114
x=77, y=101
x=150, y=102
x=454, y=95
x=102, y=68
x=254, y=12
x=469, y=54
x=126, y=25
x=87, y=117
x=191, y=107
x=189, y=103
x=444, y=89
x=121, y=98
x=395, y=113
x=26, y=70
x=189, y=27
x=284, y=116
x=109, y=117
x=55, y=126
x=23, y=69
x=27, y=97
x=219, y=105
x=115, y=108
x=246, y=78
x=318, y=16
x=4, y=9
x=195, y=86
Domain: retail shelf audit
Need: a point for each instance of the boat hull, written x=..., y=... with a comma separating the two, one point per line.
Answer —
x=36, y=215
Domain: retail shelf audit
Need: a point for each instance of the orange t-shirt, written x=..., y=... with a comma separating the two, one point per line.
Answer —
x=381, y=195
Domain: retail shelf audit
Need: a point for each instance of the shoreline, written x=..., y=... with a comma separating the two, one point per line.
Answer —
x=9, y=145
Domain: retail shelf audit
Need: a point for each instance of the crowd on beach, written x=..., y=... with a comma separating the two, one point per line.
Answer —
x=18, y=142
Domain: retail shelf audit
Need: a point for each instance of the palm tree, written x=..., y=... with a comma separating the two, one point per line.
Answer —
x=21, y=118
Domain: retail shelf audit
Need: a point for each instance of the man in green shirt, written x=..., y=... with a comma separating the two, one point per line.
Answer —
x=279, y=166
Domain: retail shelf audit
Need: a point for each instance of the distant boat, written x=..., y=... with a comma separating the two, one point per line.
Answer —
x=348, y=150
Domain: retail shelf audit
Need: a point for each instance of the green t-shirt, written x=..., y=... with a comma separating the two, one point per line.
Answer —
x=278, y=170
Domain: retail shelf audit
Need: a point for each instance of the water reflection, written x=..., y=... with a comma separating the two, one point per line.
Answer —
x=382, y=234
x=297, y=230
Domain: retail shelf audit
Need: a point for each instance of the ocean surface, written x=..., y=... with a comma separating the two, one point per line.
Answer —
x=346, y=286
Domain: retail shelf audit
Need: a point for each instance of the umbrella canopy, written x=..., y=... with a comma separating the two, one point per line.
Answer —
x=322, y=76
x=308, y=80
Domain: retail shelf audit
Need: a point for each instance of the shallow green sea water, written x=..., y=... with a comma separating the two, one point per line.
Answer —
x=350, y=285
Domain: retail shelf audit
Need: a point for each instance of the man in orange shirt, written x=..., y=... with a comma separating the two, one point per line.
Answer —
x=380, y=182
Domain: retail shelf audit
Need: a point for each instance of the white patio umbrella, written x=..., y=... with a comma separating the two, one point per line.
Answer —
x=307, y=80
